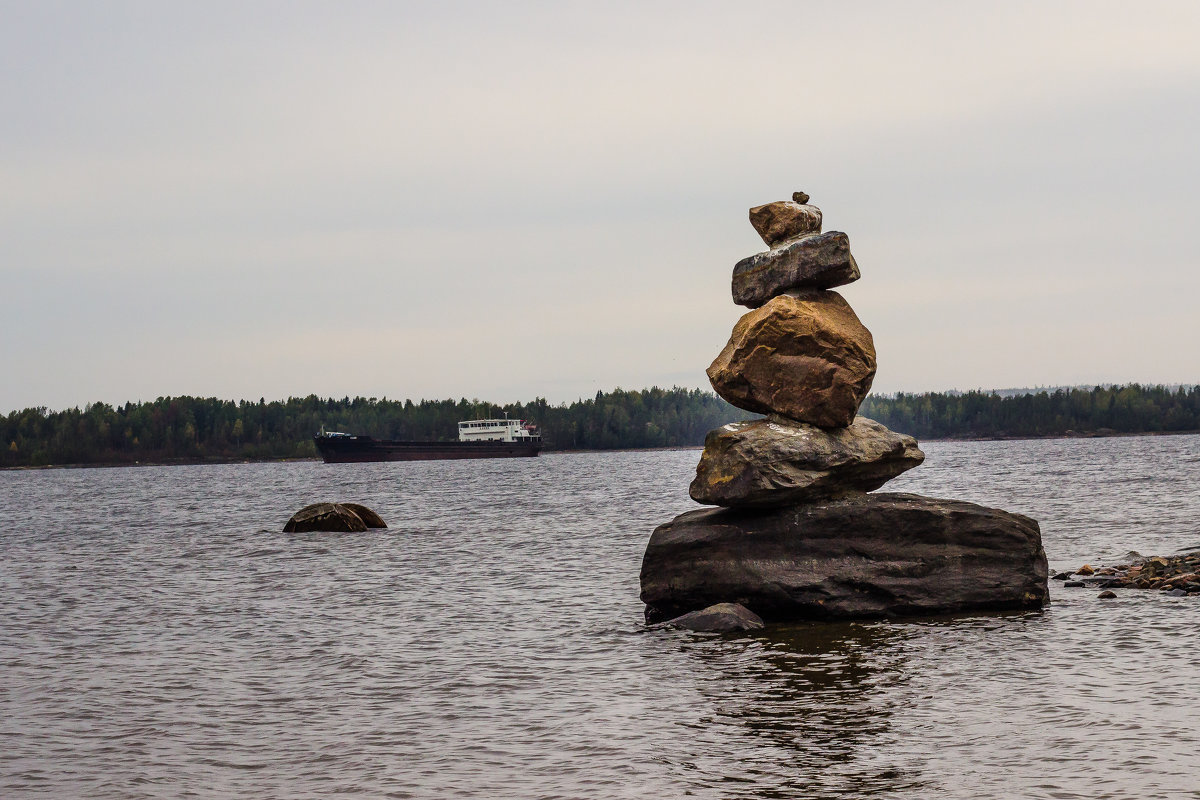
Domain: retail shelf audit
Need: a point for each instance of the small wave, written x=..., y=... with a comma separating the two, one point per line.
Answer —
x=265, y=552
x=216, y=762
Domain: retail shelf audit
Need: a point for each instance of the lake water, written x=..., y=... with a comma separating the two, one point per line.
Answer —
x=161, y=637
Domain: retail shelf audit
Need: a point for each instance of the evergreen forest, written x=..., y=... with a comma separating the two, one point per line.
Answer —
x=1062, y=412
x=196, y=430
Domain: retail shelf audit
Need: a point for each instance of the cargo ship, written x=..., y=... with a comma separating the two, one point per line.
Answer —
x=477, y=438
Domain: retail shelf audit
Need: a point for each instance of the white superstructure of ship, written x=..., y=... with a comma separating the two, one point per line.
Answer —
x=498, y=430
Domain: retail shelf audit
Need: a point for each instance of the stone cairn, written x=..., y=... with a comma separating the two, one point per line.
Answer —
x=798, y=536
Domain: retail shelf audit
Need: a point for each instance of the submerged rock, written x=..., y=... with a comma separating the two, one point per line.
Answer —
x=816, y=262
x=333, y=517
x=808, y=358
x=719, y=618
x=778, y=222
x=778, y=462
x=872, y=555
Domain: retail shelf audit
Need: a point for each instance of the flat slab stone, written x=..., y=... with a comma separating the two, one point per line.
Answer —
x=777, y=462
x=874, y=555
x=815, y=262
x=719, y=618
x=808, y=358
x=783, y=220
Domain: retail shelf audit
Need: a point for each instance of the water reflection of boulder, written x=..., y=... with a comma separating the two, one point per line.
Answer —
x=817, y=700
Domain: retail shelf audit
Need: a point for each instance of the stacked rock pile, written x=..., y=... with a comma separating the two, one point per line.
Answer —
x=799, y=536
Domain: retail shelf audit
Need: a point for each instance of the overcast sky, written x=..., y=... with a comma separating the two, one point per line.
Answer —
x=511, y=200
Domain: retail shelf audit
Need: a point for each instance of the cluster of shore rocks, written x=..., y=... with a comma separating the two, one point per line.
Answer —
x=1178, y=576
x=798, y=536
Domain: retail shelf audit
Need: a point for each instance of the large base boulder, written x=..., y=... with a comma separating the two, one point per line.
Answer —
x=874, y=555
x=778, y=462
x=805, y=357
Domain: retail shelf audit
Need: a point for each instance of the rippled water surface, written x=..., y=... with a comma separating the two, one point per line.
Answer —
x=160, y=637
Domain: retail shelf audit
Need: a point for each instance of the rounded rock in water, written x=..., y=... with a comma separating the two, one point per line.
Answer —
x=333, y=517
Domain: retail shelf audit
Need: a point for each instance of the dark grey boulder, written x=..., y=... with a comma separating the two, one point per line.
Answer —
x=872, y=555
x=719, y=618
x=781, y=462
x=333, y=517
x=816, y=262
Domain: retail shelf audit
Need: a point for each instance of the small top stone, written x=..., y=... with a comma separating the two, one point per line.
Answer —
x=799, y=197
x=782, y=221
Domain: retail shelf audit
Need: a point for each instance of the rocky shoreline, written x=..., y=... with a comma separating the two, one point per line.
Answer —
x=1177, y=576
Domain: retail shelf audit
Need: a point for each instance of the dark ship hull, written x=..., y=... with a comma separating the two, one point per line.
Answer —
x=357, y=449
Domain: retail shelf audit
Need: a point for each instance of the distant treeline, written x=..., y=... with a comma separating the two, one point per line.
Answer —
x=1113, y=409
x=191, y=429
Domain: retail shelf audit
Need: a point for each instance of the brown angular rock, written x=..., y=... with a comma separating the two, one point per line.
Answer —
x=799, y=197
x=872, y=555
x=777, y=462
x=807, y=358
x=815, y=262
x=783, y=220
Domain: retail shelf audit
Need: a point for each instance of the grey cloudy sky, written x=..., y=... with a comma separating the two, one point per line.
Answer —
x=510, y=200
